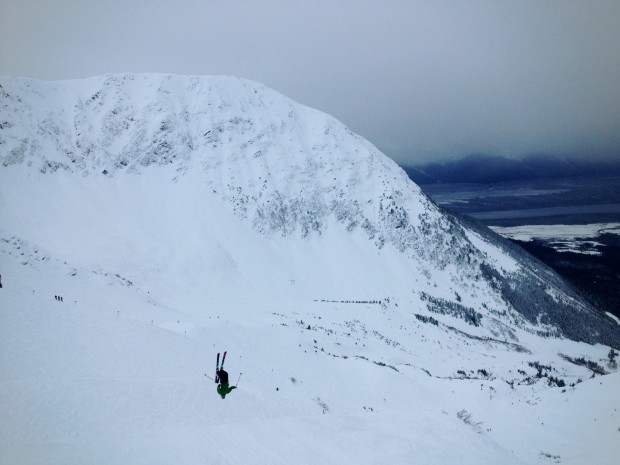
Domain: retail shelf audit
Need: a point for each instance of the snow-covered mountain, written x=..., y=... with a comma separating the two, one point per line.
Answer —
x=178, y=216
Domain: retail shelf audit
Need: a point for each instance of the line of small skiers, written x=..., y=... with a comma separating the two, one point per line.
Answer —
x=58, y=298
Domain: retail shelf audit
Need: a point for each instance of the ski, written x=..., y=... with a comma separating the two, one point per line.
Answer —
x=218, y=367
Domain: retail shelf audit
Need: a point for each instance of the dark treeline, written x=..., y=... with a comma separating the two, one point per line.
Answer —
x=529, y=293
x=447, y=307
x=596, y=276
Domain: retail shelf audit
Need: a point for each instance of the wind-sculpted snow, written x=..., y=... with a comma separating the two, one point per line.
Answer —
x=286, y=171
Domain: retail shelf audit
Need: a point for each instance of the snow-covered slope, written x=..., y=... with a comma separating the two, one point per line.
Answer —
x=285, y=170
x=179, y=216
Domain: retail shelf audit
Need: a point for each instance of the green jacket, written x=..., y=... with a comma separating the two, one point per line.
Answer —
x=223, y=389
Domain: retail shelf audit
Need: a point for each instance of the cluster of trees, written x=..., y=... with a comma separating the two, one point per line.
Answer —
x=596, y=276
x=427, y=319
x=466, y=417
x=542, y=297
x=542, y=371
x=612, y=358
x=373, y=302
x=581, y=361
x=447, y=307
x=481, y=374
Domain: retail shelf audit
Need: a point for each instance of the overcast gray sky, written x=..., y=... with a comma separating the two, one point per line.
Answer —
x=422, y=80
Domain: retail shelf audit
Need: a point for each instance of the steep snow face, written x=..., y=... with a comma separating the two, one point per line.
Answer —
x=284, y=167
x=230, y=183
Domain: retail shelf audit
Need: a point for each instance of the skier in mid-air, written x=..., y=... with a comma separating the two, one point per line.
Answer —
x=223, y=388
x=221, y=377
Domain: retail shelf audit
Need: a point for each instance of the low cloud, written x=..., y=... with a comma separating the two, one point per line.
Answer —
x=421, y=80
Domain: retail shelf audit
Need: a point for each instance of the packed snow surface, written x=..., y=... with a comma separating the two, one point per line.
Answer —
x=149, y=222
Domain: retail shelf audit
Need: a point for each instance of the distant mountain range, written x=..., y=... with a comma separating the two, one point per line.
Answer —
x=495, y=168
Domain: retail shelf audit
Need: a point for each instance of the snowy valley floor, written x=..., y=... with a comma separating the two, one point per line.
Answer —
x=112, y=375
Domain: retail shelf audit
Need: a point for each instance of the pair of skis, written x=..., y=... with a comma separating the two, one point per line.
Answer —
x=218, y=367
